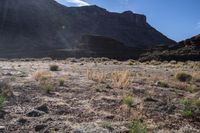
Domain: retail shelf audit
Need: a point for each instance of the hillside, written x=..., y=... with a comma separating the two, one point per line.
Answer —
x=38, y=28
x=188, y=49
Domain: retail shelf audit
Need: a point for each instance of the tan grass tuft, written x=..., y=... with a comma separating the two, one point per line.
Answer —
x=96, y=75
x=121, y=79
x=40, y=74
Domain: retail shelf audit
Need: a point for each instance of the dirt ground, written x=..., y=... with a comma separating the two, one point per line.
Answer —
x=91, y=98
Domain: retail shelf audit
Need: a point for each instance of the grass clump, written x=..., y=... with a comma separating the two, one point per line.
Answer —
x=5, y=89
x=96, y=75
x=121, y=79
x=183, y=77
x=107, y=125
x=162, y=84
x=137, y=127
x=128, y=101
x=47, y=87
x=187, y=113
x=41, y=75
x=54, y=67
x=61, y=82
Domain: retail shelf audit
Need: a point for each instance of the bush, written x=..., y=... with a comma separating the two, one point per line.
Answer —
x=54, y=67
x=128, y=100
x=183, y=77
x=61, y=82
x=162, y=84
x=187, y=113
x=47, y=87
x=5, y=89
x=137, y=127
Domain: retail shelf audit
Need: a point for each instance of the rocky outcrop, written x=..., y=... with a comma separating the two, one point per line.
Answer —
x=37, y=28
x=188, y=49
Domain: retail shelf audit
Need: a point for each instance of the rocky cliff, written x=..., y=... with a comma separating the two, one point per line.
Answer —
x=37, y=28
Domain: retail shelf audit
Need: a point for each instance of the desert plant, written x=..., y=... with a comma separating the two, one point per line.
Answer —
x=5, y=89
x=186, y=102
x=61, y=82
x=107, y=125
x=137, y=127
x=187, y=113
x=128, y=100
x=2, y=99
x=13, y=78
x=96, y=75
x=47, y=87
x=120, y=79
x=41, y=75
x=162, y=84
x=183, y=77
x=196, y=102
x=53, y=67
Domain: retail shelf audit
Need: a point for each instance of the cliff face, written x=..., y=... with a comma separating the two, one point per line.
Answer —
x=29, y=27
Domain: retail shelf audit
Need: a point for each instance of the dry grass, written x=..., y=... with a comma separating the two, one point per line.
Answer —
x=96, y=75
x=41, y=74
x=121, y=79
x=196, y=76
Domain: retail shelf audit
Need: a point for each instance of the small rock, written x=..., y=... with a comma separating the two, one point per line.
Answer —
x=2, y=128
x=150, y=99
x=43, y=108
x=35, y=113
x=110, y=117
x=22, y=121
x=2, y=114
x=40, y=127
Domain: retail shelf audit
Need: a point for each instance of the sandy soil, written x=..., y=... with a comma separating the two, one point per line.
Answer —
x=94, y=104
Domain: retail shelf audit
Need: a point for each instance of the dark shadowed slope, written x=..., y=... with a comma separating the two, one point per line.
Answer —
x=188, y=49
x=37, y=28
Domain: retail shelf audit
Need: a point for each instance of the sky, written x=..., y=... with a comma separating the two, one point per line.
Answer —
x=177, y=19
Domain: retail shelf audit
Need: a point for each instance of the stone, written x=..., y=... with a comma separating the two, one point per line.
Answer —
x=43, y=108
x=40, y=127
x=35, y=113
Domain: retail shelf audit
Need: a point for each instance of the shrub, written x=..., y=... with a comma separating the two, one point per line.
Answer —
x=128, y=101
x=5, y=89
x=13, y=78
x=162, y=84
x=2, y=99
x=47, y=87
x=54, y=67
x=137, y=127
x=61, y=82
x=187, y=113
x=107, y=125
x=183, y=77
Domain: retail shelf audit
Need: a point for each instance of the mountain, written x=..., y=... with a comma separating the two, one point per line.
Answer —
x=38, y=28
x=188, y=49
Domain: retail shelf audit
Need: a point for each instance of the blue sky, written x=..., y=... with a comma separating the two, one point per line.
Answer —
x=177, y=19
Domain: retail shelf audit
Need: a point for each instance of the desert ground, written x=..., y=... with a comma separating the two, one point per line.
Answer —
x=99, y=95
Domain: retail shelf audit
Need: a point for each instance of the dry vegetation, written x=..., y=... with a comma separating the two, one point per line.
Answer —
x=99, y=95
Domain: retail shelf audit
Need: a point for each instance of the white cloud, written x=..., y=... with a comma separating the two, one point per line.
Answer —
x=73, y=2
